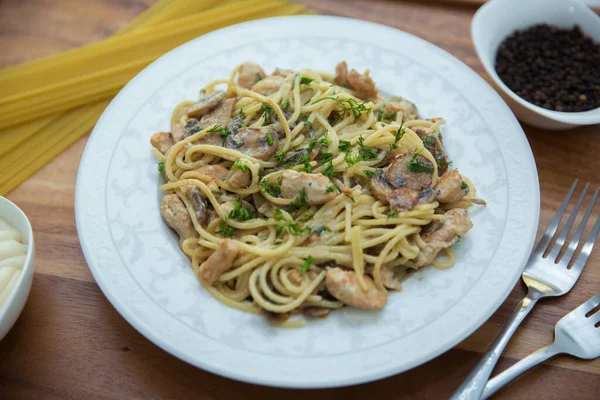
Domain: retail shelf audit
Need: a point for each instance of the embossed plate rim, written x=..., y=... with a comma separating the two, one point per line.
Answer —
x=139, y=312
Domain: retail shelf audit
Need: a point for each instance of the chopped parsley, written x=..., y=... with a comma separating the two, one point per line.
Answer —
x=325, y=157
x=345, y=146
x=401, y=131
x=240, y=213
x=306, y=264
x=161, y=167
x=390, y=117
x=329, y=169
x=306, y=161
x=293, y=228
x=348, y=105
x=305, y=81
x=429, y=140
x=285, y=105
x=242, y=113
x=217, y=192
x=416, y=165
x=364, y=153
x=278, y=241
x=299, y=203
x=392, y=214
x=441, y=163
x=259, y=78
x=241, y=164
x=330, y=189
x=278, y=214
x=217, y=128
x=274, y=189
x=351, y=198
x=369, y=174
x=270, y=139
x=267, y=113
x=225, y=229
x=464, y=187
x=279, y=157
x=438, y=192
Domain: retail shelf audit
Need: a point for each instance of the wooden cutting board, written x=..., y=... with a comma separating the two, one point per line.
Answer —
x=70, y=343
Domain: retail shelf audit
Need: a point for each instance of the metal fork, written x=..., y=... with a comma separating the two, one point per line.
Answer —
x=545, y=276
x=576, y=334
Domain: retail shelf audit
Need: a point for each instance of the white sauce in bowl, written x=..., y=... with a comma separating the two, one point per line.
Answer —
x=12, y=258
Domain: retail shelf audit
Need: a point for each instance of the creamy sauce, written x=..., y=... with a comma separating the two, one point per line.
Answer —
x=12, y=259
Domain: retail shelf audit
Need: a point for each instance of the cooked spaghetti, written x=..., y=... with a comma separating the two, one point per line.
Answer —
x=302, y=192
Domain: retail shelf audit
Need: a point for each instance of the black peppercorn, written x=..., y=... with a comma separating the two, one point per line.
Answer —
x=554, y=68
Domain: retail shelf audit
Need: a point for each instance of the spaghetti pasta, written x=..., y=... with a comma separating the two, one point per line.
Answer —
x=300, y=192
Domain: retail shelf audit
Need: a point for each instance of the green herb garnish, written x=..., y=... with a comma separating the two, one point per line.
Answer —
x=464, y=187
x=305, y=81
x=240, y=213
x=279, y=157
x=306, y=264
x=330, y=189
x=392, y=214
x=401, y=131
x=241, y=164
x=217, y=192
x=285, y=105
x=416, y=165
x=270, y=139
x=225, y=229
x=293, y=228
x=299, y=203
x=274, y=189
x=278, y=214
x=161, y=167
x=217, y=128
x=348, y=105
x=267, y=113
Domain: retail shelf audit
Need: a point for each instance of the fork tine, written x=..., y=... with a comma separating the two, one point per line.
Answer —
x=590, y=304
x=560, y=241
x=551, y=230
x=587, y=248
x=575, y=240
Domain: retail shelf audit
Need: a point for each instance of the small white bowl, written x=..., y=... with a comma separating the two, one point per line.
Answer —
x=497, y=19
x=10, y=311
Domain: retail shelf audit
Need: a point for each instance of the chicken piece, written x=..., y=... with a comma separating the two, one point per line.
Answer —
x=450, y=187
x=391, y=278
x=362, y=84
x=178, y=133
x=162, y=141
x=403, y=199
x=219, y=116
x=196, y=197
x=316, y=311
x=260, y=143
x=216, y=171
x=249, y=74
x=341, y=74
x=343, y=285
x=282, y=72
x=408, y=108
x=218, y=262
x=409, y=171
x=205, y=104
x=238, y=179
x=457, y=224
x=269, y=85
x=177, y=217
x=314, y=185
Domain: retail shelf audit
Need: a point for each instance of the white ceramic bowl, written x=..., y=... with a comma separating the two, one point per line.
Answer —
x=497, y=19
x=11, y=310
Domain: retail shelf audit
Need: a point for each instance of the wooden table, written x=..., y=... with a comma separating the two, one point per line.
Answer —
x=70, y=343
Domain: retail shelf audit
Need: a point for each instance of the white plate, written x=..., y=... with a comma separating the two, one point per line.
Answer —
x=135, y=259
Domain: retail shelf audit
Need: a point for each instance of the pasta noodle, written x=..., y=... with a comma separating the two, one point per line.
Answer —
x=300, y=192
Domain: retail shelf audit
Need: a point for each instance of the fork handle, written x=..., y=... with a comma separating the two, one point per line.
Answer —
x=506, y=376
x=472, y=387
